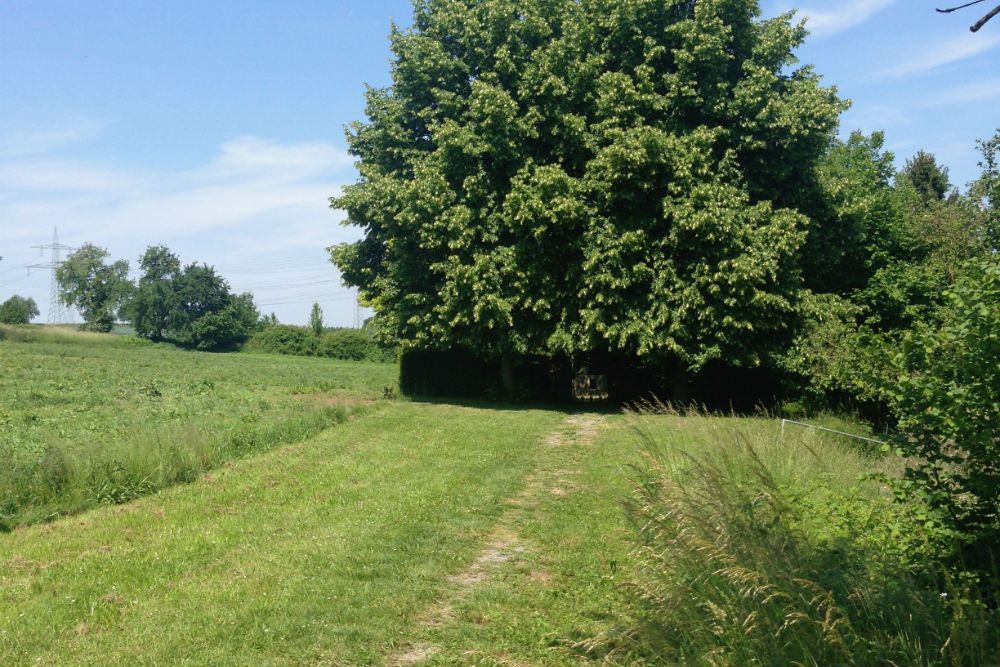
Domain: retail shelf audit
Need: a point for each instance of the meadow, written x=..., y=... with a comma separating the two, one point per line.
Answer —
x=88, y=418
x=407, y=532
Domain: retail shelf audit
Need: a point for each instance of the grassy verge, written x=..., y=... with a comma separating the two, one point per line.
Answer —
x=87, y=419
x=756, y=549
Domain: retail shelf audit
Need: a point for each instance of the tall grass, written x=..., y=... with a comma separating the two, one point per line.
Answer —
x=753, y=550
x=60, y=480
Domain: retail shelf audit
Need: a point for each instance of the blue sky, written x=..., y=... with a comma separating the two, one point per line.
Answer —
x=216, y=128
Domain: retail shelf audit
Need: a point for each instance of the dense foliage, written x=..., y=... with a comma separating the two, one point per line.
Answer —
x=947, y=394
x=98, y=290
x=345, y=344
x=18, y=310
x=553, y=176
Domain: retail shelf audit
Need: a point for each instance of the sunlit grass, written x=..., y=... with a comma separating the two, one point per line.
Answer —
x=316, y=553
x=87, y=419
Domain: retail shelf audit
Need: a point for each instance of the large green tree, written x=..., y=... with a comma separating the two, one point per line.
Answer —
x=584, y=175
x=155, y=300
x=96, y=288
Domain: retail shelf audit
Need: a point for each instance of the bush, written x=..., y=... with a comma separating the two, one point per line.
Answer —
x=283, y=339
x=18, y=310
x=948, y=399
x=348, y=344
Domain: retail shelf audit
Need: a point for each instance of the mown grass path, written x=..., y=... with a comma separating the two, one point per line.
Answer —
x=340, y=550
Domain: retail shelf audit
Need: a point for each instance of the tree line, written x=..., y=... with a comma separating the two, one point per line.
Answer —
x=190, y=305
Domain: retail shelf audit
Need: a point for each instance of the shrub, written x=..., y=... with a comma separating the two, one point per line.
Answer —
x=349, y=344
x=948, y=399
x=283, y=339
x=18, y=310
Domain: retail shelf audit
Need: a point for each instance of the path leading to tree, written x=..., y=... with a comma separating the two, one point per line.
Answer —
x=507, y=548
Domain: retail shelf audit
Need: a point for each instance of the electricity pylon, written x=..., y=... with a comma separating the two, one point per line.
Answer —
x=57, y=313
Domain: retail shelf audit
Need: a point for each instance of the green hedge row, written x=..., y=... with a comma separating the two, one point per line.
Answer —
x=348, y=344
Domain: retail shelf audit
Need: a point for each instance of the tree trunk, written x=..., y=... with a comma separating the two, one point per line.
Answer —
x=507, y=379
x=679, y=387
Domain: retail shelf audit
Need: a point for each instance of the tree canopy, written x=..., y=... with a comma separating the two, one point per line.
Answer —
x=926, y=176
x=18, y=310
x=192, y=306
x=98, y=290
x=548, y=176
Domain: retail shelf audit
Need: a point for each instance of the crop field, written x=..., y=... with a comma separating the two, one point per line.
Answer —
x=371, y=530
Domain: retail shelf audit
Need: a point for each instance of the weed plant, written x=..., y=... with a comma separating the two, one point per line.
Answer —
x=89, y=419
x=756, y=550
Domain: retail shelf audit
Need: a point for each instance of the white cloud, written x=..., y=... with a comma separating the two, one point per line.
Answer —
x=835, y=17
x=61, y=177
x=255, y=198
x=933, y=56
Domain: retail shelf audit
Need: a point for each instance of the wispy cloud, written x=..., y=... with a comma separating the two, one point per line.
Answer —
x=932, y=56
x=41, y=131
x=964, y=94
x=250, y=179
x=838, y=16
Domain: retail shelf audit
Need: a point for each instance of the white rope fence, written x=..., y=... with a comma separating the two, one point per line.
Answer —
x=828, y=430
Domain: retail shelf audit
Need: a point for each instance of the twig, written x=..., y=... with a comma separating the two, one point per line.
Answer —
x=949, y=11
x=981, y=22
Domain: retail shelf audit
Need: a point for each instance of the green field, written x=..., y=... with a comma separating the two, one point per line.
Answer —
x=404, y=533
x=89, y=418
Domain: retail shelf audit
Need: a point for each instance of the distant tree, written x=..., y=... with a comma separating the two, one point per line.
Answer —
x=316, y=319
x=555, y=176
x=97, y=289
x=981, y=22
x=155, y=299
x=225, y=329
x=929, y=179
x=191, y=306
x=206, y=315
x=18, y=310
x=985, y=191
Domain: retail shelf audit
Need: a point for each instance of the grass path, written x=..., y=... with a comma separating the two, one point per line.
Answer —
x=489, y=534
x=546, y=573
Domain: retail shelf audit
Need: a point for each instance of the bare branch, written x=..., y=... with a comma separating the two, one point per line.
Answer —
x=982, y=21
x=949, y=11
